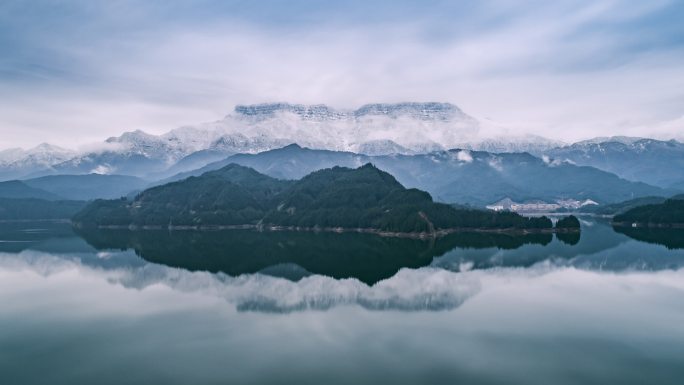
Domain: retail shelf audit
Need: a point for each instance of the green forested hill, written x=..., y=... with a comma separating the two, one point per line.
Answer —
x=366, y=197
x=668, y=213
x=233, y=195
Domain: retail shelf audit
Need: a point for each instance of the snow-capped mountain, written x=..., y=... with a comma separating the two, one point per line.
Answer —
x=533, y=144
x=627, y=140
x=17, y=162
x=379, y=128
x=372, y=129
x=652, y=161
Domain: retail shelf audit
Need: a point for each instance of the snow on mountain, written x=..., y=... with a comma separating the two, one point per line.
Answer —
x=626, y=140
x=656, y=162
x=44, y=155
x=533, y=144
x=389, y=128
x=17, y=162
x=10, y=155
x=372, y=129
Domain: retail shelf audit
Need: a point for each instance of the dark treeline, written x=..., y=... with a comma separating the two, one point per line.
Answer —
x=670, y=238
x=668, y=213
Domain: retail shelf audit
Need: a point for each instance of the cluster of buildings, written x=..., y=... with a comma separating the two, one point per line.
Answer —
x=539, y=206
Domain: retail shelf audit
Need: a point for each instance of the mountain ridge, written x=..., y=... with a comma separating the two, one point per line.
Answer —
x=455, y=176
x=376, y=129
x=365, y=199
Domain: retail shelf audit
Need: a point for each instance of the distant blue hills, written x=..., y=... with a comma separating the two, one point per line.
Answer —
x=475, y=178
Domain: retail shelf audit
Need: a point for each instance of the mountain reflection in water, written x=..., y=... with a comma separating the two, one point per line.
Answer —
x=368, y=258
x=672, y=238
x=604, y=308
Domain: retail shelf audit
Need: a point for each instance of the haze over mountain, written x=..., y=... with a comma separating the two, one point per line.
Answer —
x=17, y=189
x=639, y=159
x=88, y=186
x=17, y=162
x=373, y=129
x=407, y=139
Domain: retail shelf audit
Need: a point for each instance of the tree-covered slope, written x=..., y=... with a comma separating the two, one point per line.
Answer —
x=233, y=195
x=352, y=198
x=366, y=197
x=668, y=213
x=621, y=207
x=458, y=176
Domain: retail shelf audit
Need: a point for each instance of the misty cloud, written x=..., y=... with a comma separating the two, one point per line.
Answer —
x=425, y=289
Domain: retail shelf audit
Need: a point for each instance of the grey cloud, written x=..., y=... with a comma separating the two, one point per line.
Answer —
x=566, y=70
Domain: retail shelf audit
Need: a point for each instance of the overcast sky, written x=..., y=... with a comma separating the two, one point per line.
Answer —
x=74, y=72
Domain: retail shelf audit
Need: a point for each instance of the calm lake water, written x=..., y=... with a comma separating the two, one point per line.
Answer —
x=118, y=307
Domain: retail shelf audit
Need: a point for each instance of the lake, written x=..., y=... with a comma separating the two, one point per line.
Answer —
x=153, y=307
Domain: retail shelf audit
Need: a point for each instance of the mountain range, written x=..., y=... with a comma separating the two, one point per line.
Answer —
x=433, y=146
x=373, y=129
x=363, y=199
x=656, y=162
x=16, y=162
x=455, y=176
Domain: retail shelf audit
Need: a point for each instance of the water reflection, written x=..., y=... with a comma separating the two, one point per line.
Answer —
x=571, y=238
x=670, y=238
x=487, y=309
x=368, y=258
x=293, y=255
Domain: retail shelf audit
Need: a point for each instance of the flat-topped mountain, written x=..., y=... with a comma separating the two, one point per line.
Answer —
x=424, y=111
x=337, y=198
x=374, y=129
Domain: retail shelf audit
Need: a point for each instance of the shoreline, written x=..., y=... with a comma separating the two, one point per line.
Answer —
x=61, y=220
x=383, y=233
x=642, y=225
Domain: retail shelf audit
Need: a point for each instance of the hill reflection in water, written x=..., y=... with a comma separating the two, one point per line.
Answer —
x=668, y=237
x=368, y=258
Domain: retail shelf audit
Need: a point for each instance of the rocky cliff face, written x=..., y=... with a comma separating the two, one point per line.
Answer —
x=321, y=112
